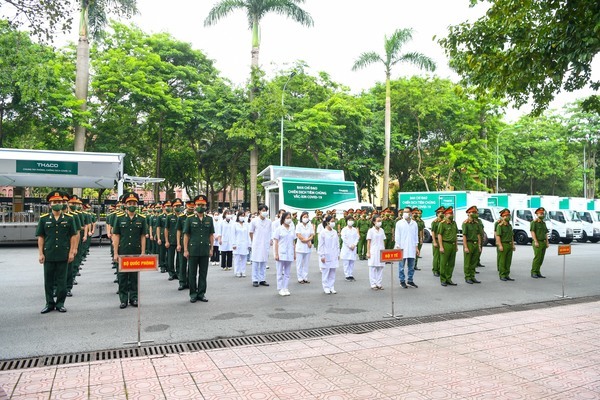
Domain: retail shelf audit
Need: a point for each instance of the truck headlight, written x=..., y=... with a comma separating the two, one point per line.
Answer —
x=596, y=231
x=569, y=231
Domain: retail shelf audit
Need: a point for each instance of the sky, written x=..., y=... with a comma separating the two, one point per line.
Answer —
x=343, y=29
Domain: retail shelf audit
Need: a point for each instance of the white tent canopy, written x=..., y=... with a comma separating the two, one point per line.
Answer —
x=60, y=168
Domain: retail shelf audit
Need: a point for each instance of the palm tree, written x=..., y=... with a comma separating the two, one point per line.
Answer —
x=255, y=10
x=392, y=56
x=92, y=18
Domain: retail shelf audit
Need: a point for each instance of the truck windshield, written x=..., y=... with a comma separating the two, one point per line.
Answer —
x=585, y=216
x=557, y=216
x=486, y=214
x=573, y=216
x=525, y=214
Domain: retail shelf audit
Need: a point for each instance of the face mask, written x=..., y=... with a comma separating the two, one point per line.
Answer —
x=64, y=207
x=450, y=217
x=178, y=209
x=350, y=223
x=189, y=210
x=507, y=218
x=216, y=217
x=475, y=215
x=406, y=216
x=378, y=224
x=199, y=210
x=264, y=214
x=242, y=219
x=332, y=224
x=169, y=209
x=288, y=221
x=73, y=207
x=228, y=217
x=56, y=207
x=540, y=216
x=131, y=208
x=305, y=220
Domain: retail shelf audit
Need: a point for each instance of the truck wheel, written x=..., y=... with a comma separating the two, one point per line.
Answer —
x=554, y=237
x=521, y=238
x=584, y=237
x=484, y=241
x=595, y=240
x=426, y=236
x=567, y=241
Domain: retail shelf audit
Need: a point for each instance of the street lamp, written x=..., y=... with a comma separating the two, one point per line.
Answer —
x=282, y=115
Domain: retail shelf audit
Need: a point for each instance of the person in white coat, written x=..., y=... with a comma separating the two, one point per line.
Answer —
x=305, y=233
x=407, y=239
x=226, y=233
x=214, y=259
x=329, y=252
x=260, y=235
x=285, y=252
x=375, y=243
x=240, y=244
x=350, y=238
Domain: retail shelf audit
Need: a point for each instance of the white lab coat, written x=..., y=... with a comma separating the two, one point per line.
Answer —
x=226, y=234
x=329, y=248
x=350, y=237
x=305, y=231
x=285, y=237
x=217, y=225
x=261, y=240
x=407, y=238
x=377, y=237
x=241, y=240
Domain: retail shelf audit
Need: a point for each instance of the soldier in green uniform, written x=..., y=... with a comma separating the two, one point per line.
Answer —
x=199, y=232
x=295, y=218
x=505, y=245
x=341, y=224
x=182, y=266
x=152, y=228
x=388, y=225
x=471, y=245
x=170, y=234
x=160, y=236
x=73, y=268
x=434, y=239
x=480, y=223
x=129, y=238
x=446, y=234
x=421, y=232
x=539, y=233
x=363, y=225
x=57, y=241
x=316, y=221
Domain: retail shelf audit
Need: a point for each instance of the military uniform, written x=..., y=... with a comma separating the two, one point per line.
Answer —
x=420, y=232
x=160, y=240
x=170, y=234
x=504, y=238
x=130, y=232
x=182, y=271
x=434, y=237
x=481, y=230
x=199, y=233
x=447, y=231
x=472, y=243
x=363, y=226
x=56, y=233
x=316, y=221
x=539, y=228
x=388, y=225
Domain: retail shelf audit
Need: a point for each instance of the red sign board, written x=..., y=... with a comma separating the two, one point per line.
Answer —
x=138, y=263
x=564, y=249
x=391, y=255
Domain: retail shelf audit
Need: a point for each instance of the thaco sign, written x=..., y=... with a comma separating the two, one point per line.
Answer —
x=47, y=167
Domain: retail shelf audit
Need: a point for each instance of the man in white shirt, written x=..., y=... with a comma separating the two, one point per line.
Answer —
x=260, y=235
x=407, y=239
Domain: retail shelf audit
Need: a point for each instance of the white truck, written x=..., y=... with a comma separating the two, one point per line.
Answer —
x=585, y=211
x=563, y=225
x=521, y=215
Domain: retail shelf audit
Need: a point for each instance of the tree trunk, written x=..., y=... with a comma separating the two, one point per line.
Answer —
x=387, y=140
x=1, y=126
x=419, y=153
x=82, y=75
x=253, y=91
x=158, y=160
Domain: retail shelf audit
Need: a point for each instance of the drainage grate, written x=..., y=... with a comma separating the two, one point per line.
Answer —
x=360, y=328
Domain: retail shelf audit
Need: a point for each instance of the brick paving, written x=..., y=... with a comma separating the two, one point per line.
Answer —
x=549, y=353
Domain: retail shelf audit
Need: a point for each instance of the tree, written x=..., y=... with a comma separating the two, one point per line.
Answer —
x=255, y=10
x=41, y=17
x=531, y=49
x=392, y=47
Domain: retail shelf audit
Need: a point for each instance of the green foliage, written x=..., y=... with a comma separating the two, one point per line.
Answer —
x=528, y=50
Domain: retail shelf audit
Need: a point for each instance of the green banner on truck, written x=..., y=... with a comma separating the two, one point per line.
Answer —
x=314, y=194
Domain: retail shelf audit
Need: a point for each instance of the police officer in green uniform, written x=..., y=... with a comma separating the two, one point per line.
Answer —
x=316, y=221
x=363, y=226
x=505, y=245
x=129, y=238
x=182, y=266
x=388, y=225
x=341, y=224
x=471, y=245
x=481, y=230
x=199, y=232
x=447, y=231
x=170, y=234
x=421, y=231
x=57, y=241
x=434, y=239
x=539, y=233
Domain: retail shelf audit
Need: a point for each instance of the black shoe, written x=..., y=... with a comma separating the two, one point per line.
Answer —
x=508, y=278
x=444, y=284
x=417, y=269
x=123, y=305
x=541, y=276
x=469, y=281
x=503, y=279
x=69, y=294
x=352, y=279
x=163, y=270
x=347, y=278
x=480, y=266
x=403, y=284
x=47, y=309
x=255, y=284
x=78, y=274
x=436, y=274
x=476, y=272
x=175, y=277
x=193, y=300
x=534, y=276
x=171, y=278
x=134, y=303
x=475, y=280
x=263, y=283
x=116, y=281
x=54, y=294
x=61, y=309
x=203, y=299
x=181, y=287
x=452, y=283
x=412, y=284
x=74, y=282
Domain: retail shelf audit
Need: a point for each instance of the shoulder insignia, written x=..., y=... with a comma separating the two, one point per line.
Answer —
x=44, y=215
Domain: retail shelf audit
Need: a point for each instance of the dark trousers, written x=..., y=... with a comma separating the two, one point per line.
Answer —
x=215, y=256
x=182, y=269
x=162, y=256
x=198, y=269
x=128, y=286
x=171, y=259
x=226, y=259
x=55, y=272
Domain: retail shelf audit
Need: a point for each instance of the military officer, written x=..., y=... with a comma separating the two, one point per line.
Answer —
x=182, y=266
x=129, y=238
x=57, y=244
x=505, y=245
x=316, y=221
x=421, y=232
x=199, y=235
x=73, y=268
x=170, y=234
x=539, y=234
x=434, y=239
x=446, y=234
x=363, y=225
x=388, y=225
x=471, y=245
x=160, y=235
x=481, y=230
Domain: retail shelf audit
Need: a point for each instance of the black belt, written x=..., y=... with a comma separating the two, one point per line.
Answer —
x=473, y=241
x=448, y=241
x=507, y=242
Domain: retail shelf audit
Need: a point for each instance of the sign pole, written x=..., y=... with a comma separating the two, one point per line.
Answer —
x=390, y=256
x=564, y=250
